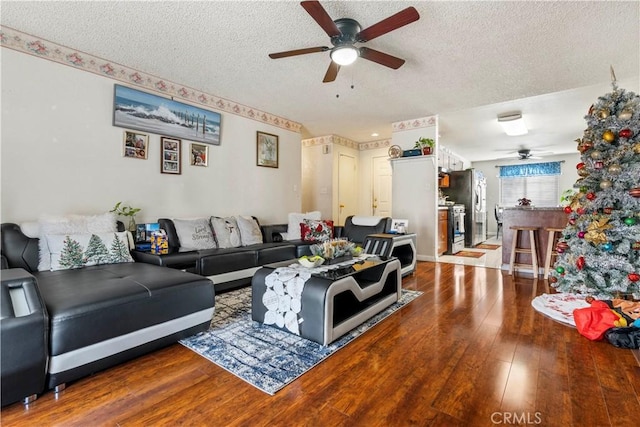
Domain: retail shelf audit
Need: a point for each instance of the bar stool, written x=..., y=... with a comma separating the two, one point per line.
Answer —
x=551, y=245
x=515, y=249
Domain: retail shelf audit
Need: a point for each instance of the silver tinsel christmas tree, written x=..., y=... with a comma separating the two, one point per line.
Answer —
x=599, y=251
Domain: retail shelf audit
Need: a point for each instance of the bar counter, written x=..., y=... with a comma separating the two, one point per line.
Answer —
x=531, y=217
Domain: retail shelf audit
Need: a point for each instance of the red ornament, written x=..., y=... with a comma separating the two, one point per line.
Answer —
x=580, y=211
x=634, y=277
x=598, y=165
x=591, y=196
x=585, y=146
x=562, y=246
x=580, y=263
x=580, y=165
x=568, y=210
x=625, y=133
x=553, y=279
x=635, y=192
x=608, y=210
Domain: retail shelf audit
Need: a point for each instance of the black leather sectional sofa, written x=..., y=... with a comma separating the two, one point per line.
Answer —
x=58, y=326
x=234, y=267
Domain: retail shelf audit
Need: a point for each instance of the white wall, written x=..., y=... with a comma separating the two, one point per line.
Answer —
x=61, y=155
x=567, y=179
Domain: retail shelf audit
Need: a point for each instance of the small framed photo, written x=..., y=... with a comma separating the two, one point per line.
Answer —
x=199, y=154
x=170, y=155
x=267, y=150
x=135, y=145
x=399, y=226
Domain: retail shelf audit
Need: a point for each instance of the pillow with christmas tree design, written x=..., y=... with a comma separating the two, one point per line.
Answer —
x=82, y=250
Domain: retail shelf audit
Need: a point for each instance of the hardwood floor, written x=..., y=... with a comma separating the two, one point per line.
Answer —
x=469, y=352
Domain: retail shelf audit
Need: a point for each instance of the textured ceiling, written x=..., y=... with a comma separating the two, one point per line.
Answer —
x=466, y=61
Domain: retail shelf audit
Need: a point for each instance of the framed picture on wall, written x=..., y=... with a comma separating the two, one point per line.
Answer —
x=267, y=150
x=135, y=145
x=199, y=155
x=147, y=112
x=170, y=155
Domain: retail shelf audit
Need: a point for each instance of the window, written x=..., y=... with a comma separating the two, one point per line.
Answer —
x=538, y=182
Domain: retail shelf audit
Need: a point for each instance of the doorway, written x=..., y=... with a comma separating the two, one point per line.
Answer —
x=382, y=185
x=347, y=185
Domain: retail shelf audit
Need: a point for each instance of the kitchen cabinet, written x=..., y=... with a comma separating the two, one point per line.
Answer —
x=443, y=227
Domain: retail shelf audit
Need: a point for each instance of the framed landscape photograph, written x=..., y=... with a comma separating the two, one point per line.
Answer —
x=199, y=154
x=135, y=145
x=267, y=150
x=170, y=155
x=143, y=111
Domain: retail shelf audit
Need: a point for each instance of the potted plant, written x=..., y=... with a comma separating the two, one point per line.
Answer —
x=120, y=209
x=426, y=144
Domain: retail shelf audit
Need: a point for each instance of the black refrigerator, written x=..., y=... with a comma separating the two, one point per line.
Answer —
x=469, y=188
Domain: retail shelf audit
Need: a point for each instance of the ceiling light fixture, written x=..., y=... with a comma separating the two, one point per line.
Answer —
x=513, y=124
x=375, y=134
x=344, y=55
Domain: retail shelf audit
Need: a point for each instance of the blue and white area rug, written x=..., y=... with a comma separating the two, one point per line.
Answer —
x=266, y=357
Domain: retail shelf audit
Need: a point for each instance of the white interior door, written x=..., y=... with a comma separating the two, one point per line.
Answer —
x=382, y=184
x=347, y=183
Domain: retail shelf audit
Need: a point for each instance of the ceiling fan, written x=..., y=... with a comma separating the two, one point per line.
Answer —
x=345, y=33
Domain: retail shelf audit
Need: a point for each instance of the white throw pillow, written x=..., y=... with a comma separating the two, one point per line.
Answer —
x=194, y=234
x=72, y=224
x=250, y=233
x=226, y=230
x=295, y=219
x=79, y=250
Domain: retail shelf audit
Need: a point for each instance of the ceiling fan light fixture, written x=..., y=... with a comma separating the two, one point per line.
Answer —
x=344, y=55
x=513, y=124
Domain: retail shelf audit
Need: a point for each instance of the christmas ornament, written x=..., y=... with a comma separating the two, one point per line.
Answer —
x=598, y=165
x=583, y=172
x=614, y=169
x=568, y=210
x=607, y=247
x=581, y=234
x=560, y=270
x=580, y=262
x=560, y=251
x=596, y=155
x=625, y=133
x=591, y=196
x=608, y=136
x=634, y=277
x=603, y=113
x=583, y=189
x=562, y=245
x=580, y=165
x=636, y=148
x=553, y=279
x=630, y=221
x=635, y=192
x=590, y=110
x=585, y=146
x=635, y=246
x=572, y=221
x=604, y=184
x=626, y=113
x=580, y=211
x=595, y=231
x=608, y=210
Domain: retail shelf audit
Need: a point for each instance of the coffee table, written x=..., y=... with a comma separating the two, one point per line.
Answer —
x=322, y=304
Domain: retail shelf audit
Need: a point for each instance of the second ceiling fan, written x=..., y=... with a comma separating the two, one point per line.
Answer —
x=345, y=33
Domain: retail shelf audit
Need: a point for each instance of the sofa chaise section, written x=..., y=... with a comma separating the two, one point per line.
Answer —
x=106, y=314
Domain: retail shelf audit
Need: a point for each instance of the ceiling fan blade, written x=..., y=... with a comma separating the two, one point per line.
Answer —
x=317, y=12
x=381, y=58
x=332, y=72
x=391, y=23
x=298, y=52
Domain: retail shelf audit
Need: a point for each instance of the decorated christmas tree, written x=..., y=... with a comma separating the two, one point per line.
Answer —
x=97, y=252
x=119, y=250
x=599, y=251
x=71, y=255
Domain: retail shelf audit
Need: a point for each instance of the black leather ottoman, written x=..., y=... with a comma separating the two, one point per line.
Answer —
x=24, y=331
